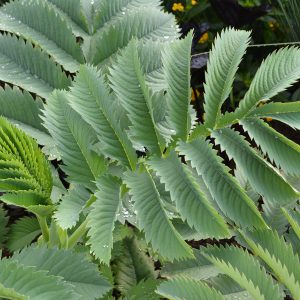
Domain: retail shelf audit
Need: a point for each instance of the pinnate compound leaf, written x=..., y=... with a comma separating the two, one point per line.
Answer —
x=91, y=98
x=187, y=288
x=245, y=270
x=25, y=174
x=59, y=42
x=72, y=11
x=264, y=178
x=288, y=113
x=284, y=152
x=152, y=217
x=197, y=268
x=29, y=67
x=102, y=218
x=224, y=59
x=280, y=70
x=75, y=270
x=70, y=207
x=224, y=188
x=132, y=266
x=74, y=138
x=128, y=82
x=279, y=256
x=294, y=219
x=143, y=24
x=186, y=193
x=22, y=233
x=176, y=66
x=22, y=283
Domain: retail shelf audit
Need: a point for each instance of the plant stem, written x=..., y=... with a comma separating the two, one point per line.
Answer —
x=77, y=234
x=44, y=227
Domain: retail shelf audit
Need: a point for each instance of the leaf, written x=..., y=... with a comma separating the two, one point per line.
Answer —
x=59, y=42
x=22, y=283
x=279, y=256
x=75, y=270
x=224, y=58
x=22, y=233
x=280, y=70
x=23, y=168
x=90, y=97
x=108, y=12
x=152, y=217
x=102, y=218
x=3, y=226
x=70, y=207
x=132, y=266
x=274, y=216
x=20, y=107
x=224, y=188
x=187, y=288
x=228, y=287
x=143, y=290
x=294, y=219
x=284, y=152
x=128, y=83
x=245, y=270
x=190, y=201
x=198, y=268
x=29, y=67
x=72, y=12
x=74, y=139
x=288, y=113
x=264, y=178
x=176, y=66
x=145, y=23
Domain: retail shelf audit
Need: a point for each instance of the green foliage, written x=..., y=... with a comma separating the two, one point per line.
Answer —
x=103, y=216
x=40, y=273
x=3, y=226
x=22, y=233
x=74, y=138
x=141, y=175
x=25, y=174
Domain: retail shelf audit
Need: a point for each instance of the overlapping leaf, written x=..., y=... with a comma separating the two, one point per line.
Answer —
x=262, y=176
x=245, y=270
x=59, y=42
x=279, y=71
x=279, y=256
x=176, y=66
x=152, y=217
x=74, y=138
x=91, y=98
x=128, y=82
x=28, y=67
x=190, y=201
x=81, y=275
x=284, y=152
x=187, y=288
x=225, y=56
x=70, y=207
x=24, y=172
x=224, y=188
x=102, y=218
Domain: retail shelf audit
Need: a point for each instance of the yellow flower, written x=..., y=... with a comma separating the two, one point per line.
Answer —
x=178, y=7
x=204, y=38
x=194, y=2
